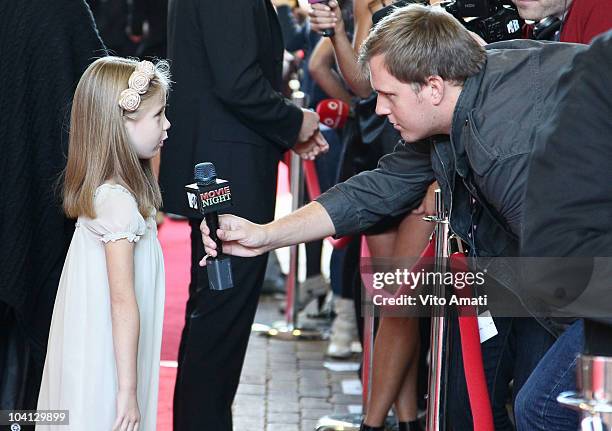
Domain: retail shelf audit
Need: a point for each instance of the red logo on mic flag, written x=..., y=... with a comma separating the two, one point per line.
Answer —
x=333, y=113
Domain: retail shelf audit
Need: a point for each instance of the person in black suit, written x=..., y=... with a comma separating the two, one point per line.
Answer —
x=227, y=63
x=34, y=232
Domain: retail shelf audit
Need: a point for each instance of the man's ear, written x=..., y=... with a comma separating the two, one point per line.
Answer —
x=435, y=89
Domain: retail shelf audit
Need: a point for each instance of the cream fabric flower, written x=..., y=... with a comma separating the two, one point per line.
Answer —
x=129, y=99
x=147, y=68
x=139, y=81
x=138, y=84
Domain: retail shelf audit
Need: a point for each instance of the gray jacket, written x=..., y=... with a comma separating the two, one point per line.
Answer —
x=481, y=167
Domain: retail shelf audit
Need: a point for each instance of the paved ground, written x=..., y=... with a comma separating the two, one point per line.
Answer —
x=284, y=384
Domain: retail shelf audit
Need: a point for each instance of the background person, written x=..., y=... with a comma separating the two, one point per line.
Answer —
x=397, y=340
x=37, y=82
x=227, y=62
x=567, y=197
x=577, y=21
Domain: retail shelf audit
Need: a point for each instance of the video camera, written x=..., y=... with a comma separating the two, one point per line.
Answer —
x=493, y=20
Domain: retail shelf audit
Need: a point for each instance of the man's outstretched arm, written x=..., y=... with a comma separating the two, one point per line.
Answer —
x=398, y=185
x=243, y=238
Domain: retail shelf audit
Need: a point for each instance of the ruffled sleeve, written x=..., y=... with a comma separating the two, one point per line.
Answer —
x=117, y=215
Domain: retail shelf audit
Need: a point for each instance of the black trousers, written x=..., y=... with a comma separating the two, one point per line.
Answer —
x=218, y=323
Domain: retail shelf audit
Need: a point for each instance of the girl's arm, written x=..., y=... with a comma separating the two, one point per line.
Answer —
x=321, y=69
x=126, y=327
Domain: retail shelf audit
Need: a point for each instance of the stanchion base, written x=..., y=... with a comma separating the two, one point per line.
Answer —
x=259, y=328
x=596, y=415
x=347, y=422
x=578, y=402
x=282, y=331
x=291, y=333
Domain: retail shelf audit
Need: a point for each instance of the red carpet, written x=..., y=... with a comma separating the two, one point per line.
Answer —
x=174, y=238
x=164, y=403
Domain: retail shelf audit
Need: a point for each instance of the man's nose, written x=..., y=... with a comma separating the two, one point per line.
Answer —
x=381, y=108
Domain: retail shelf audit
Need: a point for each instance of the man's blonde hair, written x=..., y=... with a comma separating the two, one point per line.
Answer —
x=99, y=148
x=422, y=41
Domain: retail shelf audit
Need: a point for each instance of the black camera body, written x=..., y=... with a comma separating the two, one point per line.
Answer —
x=493, y=20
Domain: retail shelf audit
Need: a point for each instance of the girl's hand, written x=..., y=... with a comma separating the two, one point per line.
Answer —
x=323, y=17
x=128, y=414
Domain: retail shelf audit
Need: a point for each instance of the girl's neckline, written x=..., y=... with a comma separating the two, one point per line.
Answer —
x=116, y=186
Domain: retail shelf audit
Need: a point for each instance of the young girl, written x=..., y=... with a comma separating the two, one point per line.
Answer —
x=103, y=355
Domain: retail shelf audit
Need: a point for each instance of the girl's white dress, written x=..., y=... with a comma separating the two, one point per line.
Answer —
x=80, y=373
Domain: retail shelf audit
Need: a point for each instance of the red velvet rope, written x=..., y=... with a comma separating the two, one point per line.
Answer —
x=478, y=392
x=468, y=325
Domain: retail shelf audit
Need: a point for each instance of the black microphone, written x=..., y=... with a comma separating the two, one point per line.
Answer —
x=328, y=32
x=208, y=195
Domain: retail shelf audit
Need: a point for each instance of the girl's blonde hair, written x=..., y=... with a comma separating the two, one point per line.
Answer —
x=99, y=148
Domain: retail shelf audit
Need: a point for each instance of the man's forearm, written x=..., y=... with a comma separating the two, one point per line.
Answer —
x=309, y=223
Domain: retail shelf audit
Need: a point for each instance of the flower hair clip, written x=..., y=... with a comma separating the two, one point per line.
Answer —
x=138, y=83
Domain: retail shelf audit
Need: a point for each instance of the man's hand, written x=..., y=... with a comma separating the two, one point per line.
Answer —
x=326, y=16
x=310, y=124
x=240, y=237
x=312, y=148
x=428, y=206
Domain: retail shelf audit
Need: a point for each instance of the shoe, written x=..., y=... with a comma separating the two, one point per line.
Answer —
x=325, y=309
x=365, y=427
x=343, y=330
x=312, y=288
x=409, y=426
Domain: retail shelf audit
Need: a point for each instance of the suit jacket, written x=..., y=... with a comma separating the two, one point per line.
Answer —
x=226, y=59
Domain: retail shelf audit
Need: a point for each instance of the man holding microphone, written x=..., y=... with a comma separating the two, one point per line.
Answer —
x=482, y=109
